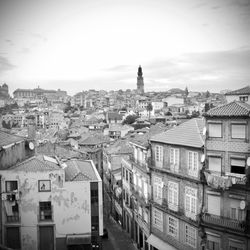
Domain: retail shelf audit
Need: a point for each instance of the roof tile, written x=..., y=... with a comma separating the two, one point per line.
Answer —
x=234, y=108
x=186, y=134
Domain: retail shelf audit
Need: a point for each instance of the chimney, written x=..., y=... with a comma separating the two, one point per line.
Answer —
x=31, y=127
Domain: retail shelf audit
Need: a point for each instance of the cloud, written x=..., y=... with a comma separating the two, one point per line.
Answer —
x=215, y=69
x=119, y=68
x=39, y=37
x=5, y=65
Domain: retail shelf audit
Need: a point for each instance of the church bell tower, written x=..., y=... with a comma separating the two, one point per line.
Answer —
x=140, y=82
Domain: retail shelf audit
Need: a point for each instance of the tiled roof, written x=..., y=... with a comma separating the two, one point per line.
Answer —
x=36, y=163
x=7, y=139
x=78, y=170
x=242, y=91
x=143, y=139
x=230, y=109
x=93, y=139
x=114, y=115
x=186, y=134
x=119, y=147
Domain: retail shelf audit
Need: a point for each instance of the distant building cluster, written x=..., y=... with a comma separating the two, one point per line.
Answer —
x=171, y=168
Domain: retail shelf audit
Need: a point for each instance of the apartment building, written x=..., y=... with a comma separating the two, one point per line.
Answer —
x=112, y=158
x=137, y=191
x=47, y=205
x=227, y=195
x=177, y=189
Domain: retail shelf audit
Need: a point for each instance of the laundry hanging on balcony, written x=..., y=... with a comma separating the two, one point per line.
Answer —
x=217, y=182
x=8, y=207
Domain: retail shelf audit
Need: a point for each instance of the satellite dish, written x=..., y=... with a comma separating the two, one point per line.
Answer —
x=204, y=131
x=248, y=161
x=31, y=146
x=242, y=205
x=203, y=157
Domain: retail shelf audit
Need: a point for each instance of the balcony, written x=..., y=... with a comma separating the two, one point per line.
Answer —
x=140, y=165
x=224, y=222
x=224, y=182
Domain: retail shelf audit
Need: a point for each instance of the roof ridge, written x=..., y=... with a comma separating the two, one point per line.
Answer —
x=26, y=160
x=242, y=104
x=199, y=132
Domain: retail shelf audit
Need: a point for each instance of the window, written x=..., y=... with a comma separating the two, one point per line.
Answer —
x=243, y=98
x=190, y=236
x=213, y=204
x=214, y=163
x=157, y=187
x=140, y=210
x=174, y=158
x=158, y=153
x=193, y=163
x=215, y=130
x=190, y=202
x=238, y=131
x=44, y=186
x=130, y=178
x=145, y=190
x=135, y=179
x=173, y=226
x=145, y=216
x=213, y=242
x=158, y=219
x=126, y=173
x=236, y=245
x=45, y=210
x=238, y=166
x=173, y=195
x=10, y=186
x=235, y=212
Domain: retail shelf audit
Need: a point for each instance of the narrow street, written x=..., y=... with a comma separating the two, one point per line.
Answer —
x=118, y=239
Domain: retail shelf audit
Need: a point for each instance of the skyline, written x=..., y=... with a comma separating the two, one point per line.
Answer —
x=80, y=45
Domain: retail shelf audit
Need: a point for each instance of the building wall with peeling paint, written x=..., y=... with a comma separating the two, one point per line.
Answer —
x=70, y=205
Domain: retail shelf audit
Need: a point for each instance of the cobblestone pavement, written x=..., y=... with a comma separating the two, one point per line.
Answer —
x=118, y=238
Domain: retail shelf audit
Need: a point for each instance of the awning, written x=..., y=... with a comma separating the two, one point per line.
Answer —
x=158, y=243
x=78, y=239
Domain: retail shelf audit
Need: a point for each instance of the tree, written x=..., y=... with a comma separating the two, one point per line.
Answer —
x=130, y=119
x=149, y=109
x=186, y=91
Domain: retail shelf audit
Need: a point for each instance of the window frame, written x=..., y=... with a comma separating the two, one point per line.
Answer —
x=239, y=124
x=217, y=157
x=192, y=160
x=237, y=166
x=159, y=153
x=157, y=222
x=188, y=236
x=7, y=190
x=175, y=227
x=214, y=124
x=191, y=199
x=173, y=195
x=44, y=182
x=157, y=189
x=44, y=209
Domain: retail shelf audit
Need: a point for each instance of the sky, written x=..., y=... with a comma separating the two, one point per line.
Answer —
x=77, y=45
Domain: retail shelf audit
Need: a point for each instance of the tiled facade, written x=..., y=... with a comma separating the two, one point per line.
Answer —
x=227, y=194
